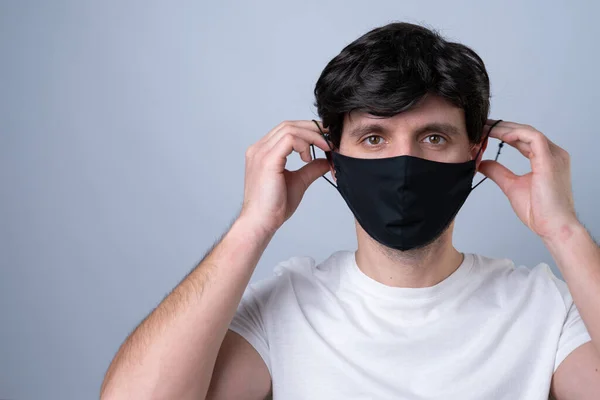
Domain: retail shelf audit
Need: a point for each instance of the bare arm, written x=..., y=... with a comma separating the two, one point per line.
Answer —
x=172, y=354
x=240, y=372
x=578, y=258
x=543, y=200
x=173, y=351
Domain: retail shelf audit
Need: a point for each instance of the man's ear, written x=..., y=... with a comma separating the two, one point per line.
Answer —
x=331, y=167
x=476, y=150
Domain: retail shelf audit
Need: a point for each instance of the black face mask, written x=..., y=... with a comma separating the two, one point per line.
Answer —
x=403, y=202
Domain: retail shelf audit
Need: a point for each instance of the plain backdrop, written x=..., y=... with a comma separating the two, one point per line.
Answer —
x=123, y=127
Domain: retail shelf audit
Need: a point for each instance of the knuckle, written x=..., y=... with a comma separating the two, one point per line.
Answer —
x=533, y=129
x=286, y=130
x=279, y=126
x=538, y=135
x=288, y=138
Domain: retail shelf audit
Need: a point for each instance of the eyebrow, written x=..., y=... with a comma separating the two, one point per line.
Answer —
x=371, y=127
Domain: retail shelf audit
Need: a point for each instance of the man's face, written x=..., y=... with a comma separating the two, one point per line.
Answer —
x=434, y=129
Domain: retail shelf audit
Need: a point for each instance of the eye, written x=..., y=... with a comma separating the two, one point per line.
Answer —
x=373, y=140
x=435, y=140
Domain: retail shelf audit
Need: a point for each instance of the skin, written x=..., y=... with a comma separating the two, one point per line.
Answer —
x=401, y=135
x=184, y=350
x=543, y=201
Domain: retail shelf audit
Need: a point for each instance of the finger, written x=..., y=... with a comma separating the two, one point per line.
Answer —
x=505, y=127
x=312, y=171
x=504, y=134
x=530, y=142
x=320, y=123
x=277, y=155
x=498, y=173
x=498, y=132
x=277, y=131
x=554, y=148
x=506, y=124
x=308, y=135
x=522, y=147
x=501, y=127
x=324, y=132
x=538, y=143
x=278, y=128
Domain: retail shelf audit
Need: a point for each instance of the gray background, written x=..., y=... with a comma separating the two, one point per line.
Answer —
x=123, y=127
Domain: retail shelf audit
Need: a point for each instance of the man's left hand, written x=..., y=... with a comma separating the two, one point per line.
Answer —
x=542, y=198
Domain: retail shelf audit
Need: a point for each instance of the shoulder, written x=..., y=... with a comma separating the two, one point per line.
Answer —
x=299, y=276
x=504, y=275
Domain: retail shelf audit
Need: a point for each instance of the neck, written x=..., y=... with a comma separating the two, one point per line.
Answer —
x=423, y=267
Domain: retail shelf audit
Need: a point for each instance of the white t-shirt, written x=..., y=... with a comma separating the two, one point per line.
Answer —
x=488, y=331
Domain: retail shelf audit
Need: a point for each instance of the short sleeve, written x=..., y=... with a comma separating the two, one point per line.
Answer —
x=249, y=321
x=574, y=332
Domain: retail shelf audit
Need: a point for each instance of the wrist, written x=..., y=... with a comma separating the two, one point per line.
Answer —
x=251, y=229
x=564, y=233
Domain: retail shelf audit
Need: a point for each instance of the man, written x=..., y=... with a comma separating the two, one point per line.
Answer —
x=406, y=316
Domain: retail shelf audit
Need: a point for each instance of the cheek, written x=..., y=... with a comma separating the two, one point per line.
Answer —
x=452, y=154
x=351, y=149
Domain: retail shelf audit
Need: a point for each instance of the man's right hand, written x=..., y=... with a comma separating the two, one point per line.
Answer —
x=271, y=192
x=155, y=361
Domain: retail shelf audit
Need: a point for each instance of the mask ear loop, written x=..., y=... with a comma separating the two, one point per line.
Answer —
x=312, y=146
x=497, y=154
x=326, y=137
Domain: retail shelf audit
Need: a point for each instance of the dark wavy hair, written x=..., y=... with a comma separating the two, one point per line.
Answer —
x=389, y=69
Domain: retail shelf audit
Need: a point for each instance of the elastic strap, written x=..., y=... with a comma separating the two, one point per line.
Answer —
x=326, y=137
x=312, y=146
x=497, y=154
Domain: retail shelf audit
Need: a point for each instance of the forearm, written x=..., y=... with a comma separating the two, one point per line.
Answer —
x=173, y=352
x=578, y=259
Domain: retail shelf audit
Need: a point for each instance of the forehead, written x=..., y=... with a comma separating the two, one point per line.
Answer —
x=429, y=110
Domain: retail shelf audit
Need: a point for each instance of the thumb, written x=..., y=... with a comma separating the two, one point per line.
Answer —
x=502, y=176
x=311, y=171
